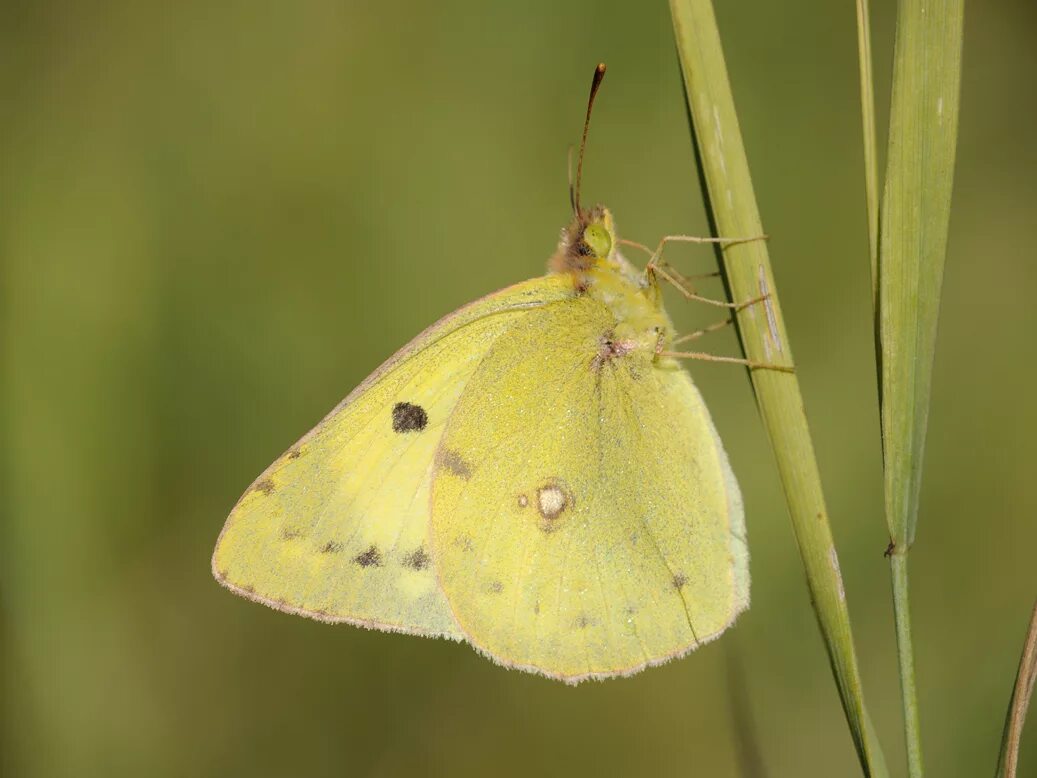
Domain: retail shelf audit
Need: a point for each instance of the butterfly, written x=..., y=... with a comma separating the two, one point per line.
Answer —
x=534, y=474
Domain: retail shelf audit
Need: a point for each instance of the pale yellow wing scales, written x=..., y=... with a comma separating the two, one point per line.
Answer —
x=337, y=528
x=596, y=527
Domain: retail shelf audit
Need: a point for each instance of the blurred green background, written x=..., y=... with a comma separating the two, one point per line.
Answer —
x=216, y=219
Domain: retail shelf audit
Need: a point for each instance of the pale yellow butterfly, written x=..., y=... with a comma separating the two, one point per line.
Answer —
x=533, y=474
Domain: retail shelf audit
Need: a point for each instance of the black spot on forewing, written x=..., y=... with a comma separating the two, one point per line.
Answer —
x=290, y=533
x=370, y=558
x=495, y=587
x=294, y=454
x=417, y=560
x=331, y=547
x=407, y=417
x=266, y=486
x=679, y=580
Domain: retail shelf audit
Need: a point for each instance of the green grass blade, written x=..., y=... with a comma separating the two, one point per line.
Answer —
x=1008, y=762
x=871, y=164
x=915, y=213
x=914, y=218
x=747, y=269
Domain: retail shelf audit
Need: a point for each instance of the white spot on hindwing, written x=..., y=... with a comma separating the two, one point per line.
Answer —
x=551, y=501
x=554, y=501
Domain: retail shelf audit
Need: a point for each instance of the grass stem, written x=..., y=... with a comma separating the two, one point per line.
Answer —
x=1022, y=692
x=724, y=171
x=906, y=658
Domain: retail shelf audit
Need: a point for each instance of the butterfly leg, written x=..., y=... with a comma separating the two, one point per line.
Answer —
x=724, y=242
x=658, y=267
x=656, y=256
x=704, y=331
x=703, y=356
x=686, y=282
x=706, y=357
x=681, y=285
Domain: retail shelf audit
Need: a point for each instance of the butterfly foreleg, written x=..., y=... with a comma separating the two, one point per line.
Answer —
x=656, y=258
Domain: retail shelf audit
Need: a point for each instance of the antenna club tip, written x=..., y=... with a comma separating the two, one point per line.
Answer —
x=574, y=189
x=599, y=74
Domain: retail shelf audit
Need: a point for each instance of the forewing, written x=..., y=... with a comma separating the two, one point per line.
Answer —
x=337, y=527
x=596, y=527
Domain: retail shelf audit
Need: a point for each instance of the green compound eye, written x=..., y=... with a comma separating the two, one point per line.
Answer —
x=598, y=239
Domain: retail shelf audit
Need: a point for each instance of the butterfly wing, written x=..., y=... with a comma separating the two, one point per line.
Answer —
x=596, y=527
x=337, y=527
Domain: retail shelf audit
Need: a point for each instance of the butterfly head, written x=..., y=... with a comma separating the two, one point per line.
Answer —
x=589, y=240
x=589, y=251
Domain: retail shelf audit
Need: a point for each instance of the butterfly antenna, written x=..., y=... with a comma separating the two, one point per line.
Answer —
x=572, y=189
x=574, y=193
